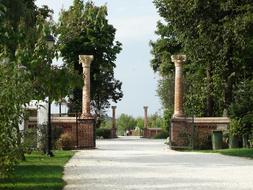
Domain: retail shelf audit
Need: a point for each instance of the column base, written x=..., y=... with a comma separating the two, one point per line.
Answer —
x=179, y=133
x=178, y=115
x=113, y=133
x=86, y=133
x=145, y=133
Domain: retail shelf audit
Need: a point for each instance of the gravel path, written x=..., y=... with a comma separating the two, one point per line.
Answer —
x=133, y=163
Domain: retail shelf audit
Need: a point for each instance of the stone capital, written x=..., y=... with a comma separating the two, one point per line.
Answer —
x=114, y=107
x=178, y=59
x=86, y=60
x=145, y=107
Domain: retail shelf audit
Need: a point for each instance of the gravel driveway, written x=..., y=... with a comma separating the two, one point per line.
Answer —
x=134, y=163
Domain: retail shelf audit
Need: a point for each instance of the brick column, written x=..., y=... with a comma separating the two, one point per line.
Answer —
x=178, y=101
x=86, y=122
x=86, y=60
x=145, y=121
x=178, y=121
x=114, y=128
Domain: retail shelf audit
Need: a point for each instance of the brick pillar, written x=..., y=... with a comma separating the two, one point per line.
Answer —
x=145, y=121
x=86, y=129
x=114, y=128
x=178, y=120
x=178, y=99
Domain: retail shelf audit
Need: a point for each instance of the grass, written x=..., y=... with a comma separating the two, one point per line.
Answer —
x=240, y=152
x=38, y=172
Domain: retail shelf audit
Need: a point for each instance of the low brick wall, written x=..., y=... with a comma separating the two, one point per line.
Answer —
x=151, y=132
x=195, y=132
x=84, y=137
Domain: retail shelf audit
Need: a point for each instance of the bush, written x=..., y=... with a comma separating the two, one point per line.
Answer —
x=56, y=134
x=103, y=132
x=162, y=135
x=65, y=142
x=42, y=140
x=235, y=127
x=29, y=140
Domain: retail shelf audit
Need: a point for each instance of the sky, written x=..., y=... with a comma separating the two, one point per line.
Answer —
x=135, y=21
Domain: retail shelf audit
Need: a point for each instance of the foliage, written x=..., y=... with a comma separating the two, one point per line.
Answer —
x=241, y=108
x=26, y=72
x=162, y=135
x=140, y=122
x=12, y=98
x=65, y=142
x=42, y=138
x=103, y=132
x=106, y=122
x=217, y=39
x=38, y=172
x=84, y=29
x=165, y=91
x=167, y=115
x=235, y=127
x=29, y=140
x=125, y=122
x=21, y=47
x=156, y=121
x=240, y=152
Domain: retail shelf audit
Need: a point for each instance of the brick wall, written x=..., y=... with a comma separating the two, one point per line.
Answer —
x=84, y=136
x=151, y=132
x=186, y=132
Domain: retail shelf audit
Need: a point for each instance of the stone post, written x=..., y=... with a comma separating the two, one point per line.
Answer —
x=86, y=129
x=86, y=60
x=178, y=99
x=113, y=130
x=145, y=121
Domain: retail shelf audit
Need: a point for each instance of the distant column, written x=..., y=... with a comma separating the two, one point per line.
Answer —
x=86, y=60
x=113, y=130
x=145, y=121
x=145, y=117
x=113, y=116
x=178, y=99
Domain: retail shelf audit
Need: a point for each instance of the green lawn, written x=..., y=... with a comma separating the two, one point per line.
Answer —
x=38, y=172
x=241, y=152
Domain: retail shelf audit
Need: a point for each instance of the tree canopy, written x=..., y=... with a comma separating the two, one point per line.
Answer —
x=84, y=29
x=217, y=38
x=26, y=71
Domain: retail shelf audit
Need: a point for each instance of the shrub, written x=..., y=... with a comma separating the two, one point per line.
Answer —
x=162, y=135
x=42, y=140
x=103, y=132
x=29, y=140
x=234, y=127
x=56, y=134
x=65, y=142
x=204, y=142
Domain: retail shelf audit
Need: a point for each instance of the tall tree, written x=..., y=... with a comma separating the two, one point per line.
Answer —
x=125, y=122
x=216, y=36
x=84, y=29
x=25, y=67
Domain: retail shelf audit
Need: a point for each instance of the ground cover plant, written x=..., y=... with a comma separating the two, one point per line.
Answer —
x=38, y=171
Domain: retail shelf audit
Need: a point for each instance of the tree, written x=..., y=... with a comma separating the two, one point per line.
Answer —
x=84, y=29
x=217, y=47
x=125, y=122
x=140, y=122
x=26, y=70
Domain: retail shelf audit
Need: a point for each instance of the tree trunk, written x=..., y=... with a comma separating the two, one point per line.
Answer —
x=60, y=108
x=209, y=101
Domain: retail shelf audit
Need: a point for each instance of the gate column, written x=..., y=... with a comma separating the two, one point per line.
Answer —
x=114, y=128
x=87, y=136
x=145, y=121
